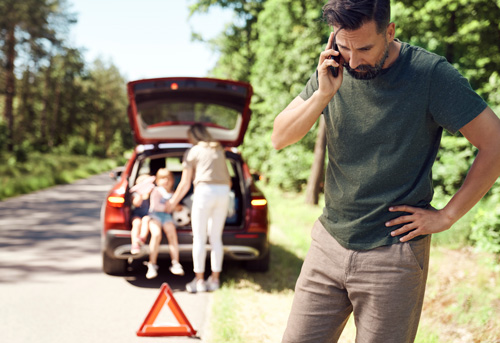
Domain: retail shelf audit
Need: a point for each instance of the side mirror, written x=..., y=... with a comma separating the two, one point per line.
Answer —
x=116, y=174
x=257, y=177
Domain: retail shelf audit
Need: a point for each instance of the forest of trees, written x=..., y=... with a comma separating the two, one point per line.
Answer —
x=50, y=99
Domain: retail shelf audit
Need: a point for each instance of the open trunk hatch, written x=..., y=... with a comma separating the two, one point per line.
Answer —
x=161, y=110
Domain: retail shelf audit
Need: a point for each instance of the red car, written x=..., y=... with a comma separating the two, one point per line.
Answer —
x=160, y=113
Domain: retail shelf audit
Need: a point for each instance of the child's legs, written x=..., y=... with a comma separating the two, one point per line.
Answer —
x=216, y=226
x=136, y=228
x=154, y=243
x=144, y=231
x=173, y=244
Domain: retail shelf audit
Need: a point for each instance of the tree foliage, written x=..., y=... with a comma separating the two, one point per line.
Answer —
x=486, y=225
x=50, y=99
x=236, y=54
x=25, y=27
x=466, y=32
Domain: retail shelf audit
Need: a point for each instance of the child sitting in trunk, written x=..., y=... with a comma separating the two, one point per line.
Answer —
x=159, y=219
x=140, y=208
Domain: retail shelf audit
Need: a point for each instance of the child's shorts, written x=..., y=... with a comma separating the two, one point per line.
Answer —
x=140, y=212
x=161, y=217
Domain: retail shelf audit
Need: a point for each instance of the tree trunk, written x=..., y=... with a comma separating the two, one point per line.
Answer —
x=45, y=108
x=318, y=166
x=54, y=140
x=10, y=84
x=452, y=30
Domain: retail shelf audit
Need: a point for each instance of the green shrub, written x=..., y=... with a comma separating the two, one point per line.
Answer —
x=77, y=145
x=45, y=170
x=117, y=145
x=453, y=161
x=94, y=150
x=22, y=151
x=486, y=225
x=291, y=168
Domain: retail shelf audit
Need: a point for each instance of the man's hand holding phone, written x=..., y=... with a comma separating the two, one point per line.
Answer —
x=330, y=69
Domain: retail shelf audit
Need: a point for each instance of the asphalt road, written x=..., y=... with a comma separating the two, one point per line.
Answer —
x=52, y=288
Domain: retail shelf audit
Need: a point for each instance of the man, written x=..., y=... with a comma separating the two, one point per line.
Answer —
x=384, y=114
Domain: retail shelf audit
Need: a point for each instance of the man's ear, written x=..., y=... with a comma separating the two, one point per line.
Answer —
x=390, y=32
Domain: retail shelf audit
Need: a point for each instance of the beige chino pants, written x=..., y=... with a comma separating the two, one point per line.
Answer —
x=383, y=287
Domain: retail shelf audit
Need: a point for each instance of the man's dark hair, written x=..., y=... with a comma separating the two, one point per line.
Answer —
x=352, y=14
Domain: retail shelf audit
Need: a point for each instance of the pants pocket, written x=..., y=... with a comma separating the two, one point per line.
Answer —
x=419, y=251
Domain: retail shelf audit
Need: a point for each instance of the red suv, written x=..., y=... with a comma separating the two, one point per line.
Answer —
x=160, y=113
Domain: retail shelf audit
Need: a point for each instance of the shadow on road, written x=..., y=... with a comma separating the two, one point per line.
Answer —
x=52, y=232
x=282, y=275
x=136, y=275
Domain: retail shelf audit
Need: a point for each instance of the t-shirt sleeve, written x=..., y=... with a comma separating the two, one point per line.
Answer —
x=188, y=159
x=453, y=103
x=311, y=86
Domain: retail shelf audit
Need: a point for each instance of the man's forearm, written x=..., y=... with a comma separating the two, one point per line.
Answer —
x=484, y=133
x=293, y=123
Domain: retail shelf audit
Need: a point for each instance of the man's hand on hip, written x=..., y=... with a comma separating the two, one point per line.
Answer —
x=418, y=221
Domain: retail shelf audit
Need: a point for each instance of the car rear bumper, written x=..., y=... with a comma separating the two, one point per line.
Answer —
x=237, y=246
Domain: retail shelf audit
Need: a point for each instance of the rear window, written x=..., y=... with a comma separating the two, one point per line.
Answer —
x=160, y=112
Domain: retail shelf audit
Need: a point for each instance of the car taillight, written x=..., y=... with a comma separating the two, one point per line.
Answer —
x=117, y=197
x=258, y=215
x=258, y=202
x=116, y=201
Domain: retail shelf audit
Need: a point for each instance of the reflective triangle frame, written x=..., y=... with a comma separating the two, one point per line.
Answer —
x=148, y=327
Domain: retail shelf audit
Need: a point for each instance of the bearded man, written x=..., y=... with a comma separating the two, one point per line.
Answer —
x=384, y=112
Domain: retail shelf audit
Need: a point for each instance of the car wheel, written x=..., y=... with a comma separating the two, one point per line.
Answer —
x=259, y=265
x=113, y=266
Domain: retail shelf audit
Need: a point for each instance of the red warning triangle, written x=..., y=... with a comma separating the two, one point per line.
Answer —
x=148, y=327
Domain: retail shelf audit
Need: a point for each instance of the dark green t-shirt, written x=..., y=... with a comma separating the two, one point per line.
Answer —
x=383, y=136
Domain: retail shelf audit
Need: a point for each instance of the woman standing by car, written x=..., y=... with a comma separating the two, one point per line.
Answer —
x=204, y=166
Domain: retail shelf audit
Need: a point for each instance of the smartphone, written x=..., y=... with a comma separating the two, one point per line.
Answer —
x=335, y=70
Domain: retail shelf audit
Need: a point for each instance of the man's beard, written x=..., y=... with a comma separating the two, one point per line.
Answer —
x=367, y=72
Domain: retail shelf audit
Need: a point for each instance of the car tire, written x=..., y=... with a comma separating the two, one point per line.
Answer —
x=259, y=265
x=113, y=266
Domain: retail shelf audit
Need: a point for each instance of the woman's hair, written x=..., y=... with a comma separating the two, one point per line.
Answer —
x=200, y=135
x=352, y=14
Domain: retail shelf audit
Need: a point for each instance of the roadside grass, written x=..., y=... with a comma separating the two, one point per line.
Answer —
x=41, y=171
x=462, y=303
